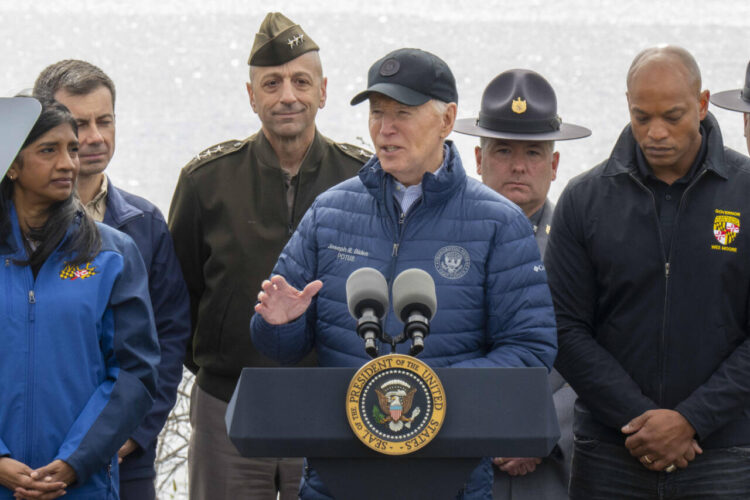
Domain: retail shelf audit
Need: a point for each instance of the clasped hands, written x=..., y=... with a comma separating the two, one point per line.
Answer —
x=661, y=440
x=44, y=483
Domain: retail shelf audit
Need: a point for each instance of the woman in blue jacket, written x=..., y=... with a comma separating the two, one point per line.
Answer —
x=76, y=328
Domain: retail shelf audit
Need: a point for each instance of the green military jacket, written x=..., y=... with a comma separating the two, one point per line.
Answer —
x=230, y=220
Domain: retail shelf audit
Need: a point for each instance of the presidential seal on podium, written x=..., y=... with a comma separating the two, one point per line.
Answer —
x=395, y=404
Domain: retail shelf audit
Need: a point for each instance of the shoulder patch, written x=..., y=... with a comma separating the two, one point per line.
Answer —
x=216, y=151
x=359, y=154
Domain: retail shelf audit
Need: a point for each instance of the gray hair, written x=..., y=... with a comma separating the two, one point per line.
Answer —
x=73, y=76
x=484, y=142
x=672, y=53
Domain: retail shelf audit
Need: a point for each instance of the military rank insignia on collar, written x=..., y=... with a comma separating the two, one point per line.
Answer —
x=726, y=230
x=395, y=404
x=73, y=273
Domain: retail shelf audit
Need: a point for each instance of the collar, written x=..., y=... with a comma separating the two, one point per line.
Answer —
x=97, y=207
x=267, y=156
x=645, y=171
x=623, y=160
x=436, y=186
x=407, y=195
x=119, y=210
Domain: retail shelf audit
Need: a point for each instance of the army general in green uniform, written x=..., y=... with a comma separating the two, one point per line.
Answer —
x=235, y=206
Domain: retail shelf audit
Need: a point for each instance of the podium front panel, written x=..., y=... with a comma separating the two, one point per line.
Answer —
x=294, y=412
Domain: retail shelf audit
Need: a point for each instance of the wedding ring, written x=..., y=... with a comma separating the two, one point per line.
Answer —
x=647, y=459
x=670, y=468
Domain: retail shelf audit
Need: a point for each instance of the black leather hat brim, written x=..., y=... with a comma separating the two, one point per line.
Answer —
x=731, y=100
x=399, y=93
x=567, y=132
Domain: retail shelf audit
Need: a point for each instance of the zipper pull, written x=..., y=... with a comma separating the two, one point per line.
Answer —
x=7, y=262
x=401, y=218
x=32, y=297
x=395, y=250
x=666, y=270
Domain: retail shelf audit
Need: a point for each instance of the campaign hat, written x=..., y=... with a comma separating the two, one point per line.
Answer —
x=17, y=117
x=520, y=104
x=411, y=77
x=735, y=100
x=279, y=40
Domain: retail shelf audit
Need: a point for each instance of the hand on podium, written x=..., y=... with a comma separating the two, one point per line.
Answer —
x=279, y=302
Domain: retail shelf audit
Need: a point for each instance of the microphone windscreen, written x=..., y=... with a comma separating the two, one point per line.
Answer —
x=414, y=289
x=366, y=287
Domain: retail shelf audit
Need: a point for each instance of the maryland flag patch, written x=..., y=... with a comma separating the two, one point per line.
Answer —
x=726, y=229
x=77, y=272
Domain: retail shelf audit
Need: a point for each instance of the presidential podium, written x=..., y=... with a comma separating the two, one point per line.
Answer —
x=301, y=412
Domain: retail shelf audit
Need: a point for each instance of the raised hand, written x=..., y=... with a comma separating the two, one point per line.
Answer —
x=279, y=302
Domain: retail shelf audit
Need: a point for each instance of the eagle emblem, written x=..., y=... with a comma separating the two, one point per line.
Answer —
x=394, y=402
x=518, y=106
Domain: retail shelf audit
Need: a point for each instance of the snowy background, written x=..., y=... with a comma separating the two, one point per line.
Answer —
x=180, y=66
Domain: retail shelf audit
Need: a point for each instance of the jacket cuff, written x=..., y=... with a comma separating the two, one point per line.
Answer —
x=4, y=451
x=142, y=438
x=701, y=431
x=271, y=339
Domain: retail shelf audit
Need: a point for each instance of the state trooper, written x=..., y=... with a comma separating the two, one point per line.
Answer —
x=517, y=128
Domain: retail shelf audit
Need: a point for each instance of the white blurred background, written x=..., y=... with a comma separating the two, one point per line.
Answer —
x=180, y=68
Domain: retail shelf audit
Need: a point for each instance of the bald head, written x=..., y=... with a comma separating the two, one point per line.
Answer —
x=669, y=56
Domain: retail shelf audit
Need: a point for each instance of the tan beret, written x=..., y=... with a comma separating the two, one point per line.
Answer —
x=279, y=40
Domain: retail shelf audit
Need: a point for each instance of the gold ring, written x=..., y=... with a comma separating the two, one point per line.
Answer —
x=670, y=468
x=647, y=459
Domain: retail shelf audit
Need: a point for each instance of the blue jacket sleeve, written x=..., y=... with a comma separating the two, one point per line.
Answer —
x=520, y=318
x=297, y=263
x=171, y=307
x=3, y=449
x=131, y=354
x=600, y=381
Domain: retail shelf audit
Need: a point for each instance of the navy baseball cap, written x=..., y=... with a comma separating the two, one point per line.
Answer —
x=411, y=77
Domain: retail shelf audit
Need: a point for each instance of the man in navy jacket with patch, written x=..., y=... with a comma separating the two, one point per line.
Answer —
x=412, y=205
x=90, y=94
x=649, y=271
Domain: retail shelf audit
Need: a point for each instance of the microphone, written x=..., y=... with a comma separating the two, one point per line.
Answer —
x=367, y=299
x=415, y=304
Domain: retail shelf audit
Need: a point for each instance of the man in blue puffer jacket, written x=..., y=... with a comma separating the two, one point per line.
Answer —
x=412, y=206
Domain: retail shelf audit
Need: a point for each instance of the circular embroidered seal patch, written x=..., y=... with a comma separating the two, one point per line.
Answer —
x=389, y=67
x=395, y=404
x=452, y=262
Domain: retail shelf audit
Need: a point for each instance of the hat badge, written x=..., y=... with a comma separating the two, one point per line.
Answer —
x=295, y=41
x=518, y=106
x=390, y=67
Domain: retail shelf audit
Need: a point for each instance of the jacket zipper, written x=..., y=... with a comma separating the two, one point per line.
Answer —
x=30, y=374
x=667, y=269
